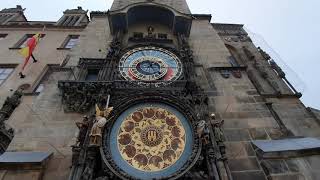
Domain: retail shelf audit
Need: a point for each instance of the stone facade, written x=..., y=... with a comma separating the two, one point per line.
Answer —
x=225, y=74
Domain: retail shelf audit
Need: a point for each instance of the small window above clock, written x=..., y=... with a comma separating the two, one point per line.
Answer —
x=137, y=35
x=92, y=75
x=162, y=36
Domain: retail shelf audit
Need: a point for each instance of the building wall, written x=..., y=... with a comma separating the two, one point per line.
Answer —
x=46, y=53
x=94, y=41
x=207, y=46
x=41, y=124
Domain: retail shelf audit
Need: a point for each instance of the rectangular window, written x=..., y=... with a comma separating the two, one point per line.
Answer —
x=70, y=42
x=23, y=41
x=2, y=36
x=5, y=73
x=233, y=61
x=162, y=36
x=40, y=88
x=138, y=35
x=92, y=75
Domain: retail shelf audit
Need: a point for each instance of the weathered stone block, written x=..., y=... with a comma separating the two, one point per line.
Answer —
x=258, y=134
x=244, y=164
x=236, y=135
x=58, y=168
x=274, y=167
x=245, y=99
x=292, y=165
x=236, y=150
x=314, y=162
x=287, y=177
x=253, y=92
x=249, y=175
x=22, y=174
x=275, y=133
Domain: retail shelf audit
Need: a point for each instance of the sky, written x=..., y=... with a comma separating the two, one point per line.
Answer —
x=287, y=29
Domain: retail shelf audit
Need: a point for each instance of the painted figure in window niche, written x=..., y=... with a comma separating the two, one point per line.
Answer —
x=237, y=74
x=150, y=32
x=225, y=73
x=97, y=128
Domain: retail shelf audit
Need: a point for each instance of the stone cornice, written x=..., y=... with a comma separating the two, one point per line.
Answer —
x=202, y=16
x=48, y=26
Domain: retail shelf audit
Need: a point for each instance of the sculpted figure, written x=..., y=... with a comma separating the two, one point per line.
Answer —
x=83, y=128
x=217, y=125
x=203, y=131
x=97, y=128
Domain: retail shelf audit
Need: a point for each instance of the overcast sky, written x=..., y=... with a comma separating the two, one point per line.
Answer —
x=287, y=29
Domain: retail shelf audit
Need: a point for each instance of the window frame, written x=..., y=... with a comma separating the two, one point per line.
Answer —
x=6, y=66
x=138, y=35
x=91, y=69
x=23, y=40
x=162, y=36
x=3, y=36
x=67, y=40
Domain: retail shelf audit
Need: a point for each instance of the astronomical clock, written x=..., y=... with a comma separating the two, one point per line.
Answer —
x=150, y=64
x=150, y=120
x=151, y=136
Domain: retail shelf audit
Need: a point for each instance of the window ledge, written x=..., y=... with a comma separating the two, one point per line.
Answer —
x=15, y=48
x=63, y=48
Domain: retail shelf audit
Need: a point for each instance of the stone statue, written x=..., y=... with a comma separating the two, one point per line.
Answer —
x=203, y=131
x=218, y=134
x=277, y=68
x=200, y=128
x=100, y=122
x=265, y=55
x=83, y=128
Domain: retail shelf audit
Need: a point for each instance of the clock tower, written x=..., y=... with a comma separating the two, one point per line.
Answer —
x=148, y=90
x=171, y=78
x=160, y=125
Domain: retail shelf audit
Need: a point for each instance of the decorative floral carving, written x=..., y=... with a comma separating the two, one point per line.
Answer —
x=6, y=134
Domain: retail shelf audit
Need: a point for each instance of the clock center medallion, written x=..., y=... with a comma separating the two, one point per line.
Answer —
x=151, y=136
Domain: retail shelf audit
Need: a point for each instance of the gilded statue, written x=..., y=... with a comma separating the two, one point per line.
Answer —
x=99, y=123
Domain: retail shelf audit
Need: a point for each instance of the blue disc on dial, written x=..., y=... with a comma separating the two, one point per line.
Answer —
x=150, y=64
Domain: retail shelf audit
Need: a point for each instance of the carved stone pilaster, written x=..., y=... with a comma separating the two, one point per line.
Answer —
x=186, y=55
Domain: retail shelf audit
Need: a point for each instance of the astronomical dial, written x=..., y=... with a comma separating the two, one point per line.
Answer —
x=148, y=68
x=151, y=141
x=150, y=64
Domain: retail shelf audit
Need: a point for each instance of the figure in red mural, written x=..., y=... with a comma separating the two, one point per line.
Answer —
x=27, y=51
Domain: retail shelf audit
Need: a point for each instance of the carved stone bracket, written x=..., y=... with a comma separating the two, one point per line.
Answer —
x=80, y=96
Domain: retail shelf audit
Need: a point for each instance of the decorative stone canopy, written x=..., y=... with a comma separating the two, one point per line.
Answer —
x=79, y=10
x=122, y=19
x=17, y=9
